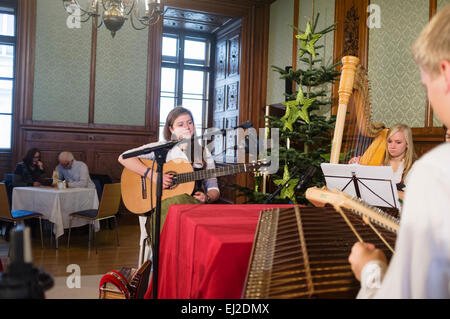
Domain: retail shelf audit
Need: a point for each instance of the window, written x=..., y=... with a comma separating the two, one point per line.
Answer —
x=185, y=75
x=7, y=52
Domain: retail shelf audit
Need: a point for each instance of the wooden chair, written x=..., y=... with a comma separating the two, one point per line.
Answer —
x=16, y=216
x=108, y=208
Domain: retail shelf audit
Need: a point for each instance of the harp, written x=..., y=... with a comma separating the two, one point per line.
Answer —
x=362, y=137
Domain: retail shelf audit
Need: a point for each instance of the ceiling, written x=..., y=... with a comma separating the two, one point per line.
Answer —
x=194, y=20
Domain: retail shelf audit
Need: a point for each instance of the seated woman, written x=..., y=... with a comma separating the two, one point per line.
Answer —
x=179, y=124
x=30, y=170
x=399, y=154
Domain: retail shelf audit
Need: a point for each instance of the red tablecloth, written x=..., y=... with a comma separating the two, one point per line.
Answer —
x=204, y=250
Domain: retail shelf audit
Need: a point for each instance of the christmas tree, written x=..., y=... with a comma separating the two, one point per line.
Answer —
x=305, y=134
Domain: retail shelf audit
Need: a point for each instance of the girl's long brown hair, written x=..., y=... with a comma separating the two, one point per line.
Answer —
x=171, y=117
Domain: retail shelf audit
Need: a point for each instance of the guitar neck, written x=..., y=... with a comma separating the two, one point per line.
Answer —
x=210, y=173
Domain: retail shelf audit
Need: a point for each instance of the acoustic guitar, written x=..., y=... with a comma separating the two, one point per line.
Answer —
x=137, y=190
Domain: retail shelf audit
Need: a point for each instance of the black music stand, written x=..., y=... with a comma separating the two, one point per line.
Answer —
x=373, y=184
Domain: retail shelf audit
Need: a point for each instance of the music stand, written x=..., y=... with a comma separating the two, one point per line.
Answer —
x=372, y=184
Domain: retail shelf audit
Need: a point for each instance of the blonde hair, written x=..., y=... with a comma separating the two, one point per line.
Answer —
x=410, y=155
x=433, y=44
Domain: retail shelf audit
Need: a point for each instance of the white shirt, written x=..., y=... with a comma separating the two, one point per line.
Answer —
x=398, y=173
x=175, y=153
x=77, y=175
x=420, y=267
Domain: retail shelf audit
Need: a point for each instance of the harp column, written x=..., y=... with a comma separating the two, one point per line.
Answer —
x=349, y=64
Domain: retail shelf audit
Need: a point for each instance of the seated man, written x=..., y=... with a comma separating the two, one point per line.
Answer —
x=75, y=173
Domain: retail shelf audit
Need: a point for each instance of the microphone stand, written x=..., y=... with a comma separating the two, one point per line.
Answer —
x=280, y=187
x=160, y=152
x=310, y=171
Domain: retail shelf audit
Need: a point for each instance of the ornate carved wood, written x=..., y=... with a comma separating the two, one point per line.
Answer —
x=351, y=36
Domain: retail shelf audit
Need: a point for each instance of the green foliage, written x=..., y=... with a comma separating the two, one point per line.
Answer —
x=305, y=136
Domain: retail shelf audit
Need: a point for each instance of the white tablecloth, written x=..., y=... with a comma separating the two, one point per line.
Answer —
x=56, y=204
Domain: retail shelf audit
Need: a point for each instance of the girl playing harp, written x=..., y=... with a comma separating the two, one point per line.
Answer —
x=399, y=154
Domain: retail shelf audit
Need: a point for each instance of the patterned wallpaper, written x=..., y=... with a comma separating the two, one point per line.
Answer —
x=62, y=64
x=280, y=39
x=326, y=10
x=120, y=86
x=440, y=4
x=280, y=47
x=62, y=71
x=396, y=91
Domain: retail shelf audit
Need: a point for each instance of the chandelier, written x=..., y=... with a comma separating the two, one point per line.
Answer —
x=113, y=13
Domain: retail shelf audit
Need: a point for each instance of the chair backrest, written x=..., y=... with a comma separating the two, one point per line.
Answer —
x=98, y=187
x=100, y=180
x=9, y=183
x=5, y=211
x=109, y=204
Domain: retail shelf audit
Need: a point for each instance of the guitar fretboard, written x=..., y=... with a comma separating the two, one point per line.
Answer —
x=210, y=173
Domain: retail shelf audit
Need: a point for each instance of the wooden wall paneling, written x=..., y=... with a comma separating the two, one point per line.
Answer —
x=106, y=163
x=428, y=108
x=351, y=36
x=5, y=165
x=427, y=138
x=23, y=95
x=226, y=99
x=254, y=72
x=99, y=151
x=93, y=68
x=153, y=79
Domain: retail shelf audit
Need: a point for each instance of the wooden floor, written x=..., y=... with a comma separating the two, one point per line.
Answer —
x=109, y=257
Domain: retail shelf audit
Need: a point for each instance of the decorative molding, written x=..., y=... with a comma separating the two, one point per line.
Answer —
x=351, y=32
x=428, y=109
x=351, y=36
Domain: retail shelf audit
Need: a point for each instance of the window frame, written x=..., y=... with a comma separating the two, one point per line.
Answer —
x=180, y=64
x=12, y=5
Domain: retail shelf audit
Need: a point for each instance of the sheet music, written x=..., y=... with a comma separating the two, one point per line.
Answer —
x=375, y=183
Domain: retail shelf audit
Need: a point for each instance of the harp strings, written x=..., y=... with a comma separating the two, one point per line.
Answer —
x=357, y=138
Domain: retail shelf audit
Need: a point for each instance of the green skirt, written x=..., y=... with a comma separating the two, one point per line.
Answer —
x=179, y=199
